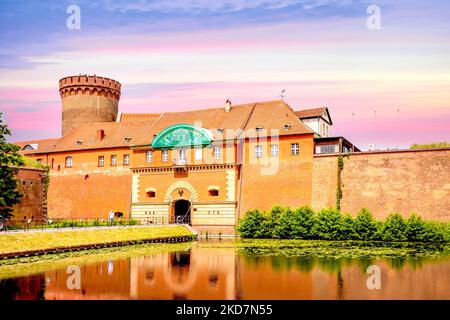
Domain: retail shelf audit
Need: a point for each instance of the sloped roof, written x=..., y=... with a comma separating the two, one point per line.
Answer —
x=40, y=145
x=275, y=116
x=313, y=113
x=268, y=115
x=132, y=117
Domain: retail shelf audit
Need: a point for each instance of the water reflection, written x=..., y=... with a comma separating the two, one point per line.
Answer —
x=224, y=273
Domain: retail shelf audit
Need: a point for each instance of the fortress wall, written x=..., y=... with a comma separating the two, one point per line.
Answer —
x=284, y=180
x=32, y=205
x=384, y=182
x=75, y=196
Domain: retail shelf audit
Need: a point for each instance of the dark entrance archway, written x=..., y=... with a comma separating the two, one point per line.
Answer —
x=182, y=211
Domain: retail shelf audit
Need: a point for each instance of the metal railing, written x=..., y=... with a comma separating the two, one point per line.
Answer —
x=32, y=224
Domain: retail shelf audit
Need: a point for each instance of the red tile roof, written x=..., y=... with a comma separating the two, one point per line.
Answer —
x=140, y=129
x=41, y=145
x=132, y=117
x=311, y=113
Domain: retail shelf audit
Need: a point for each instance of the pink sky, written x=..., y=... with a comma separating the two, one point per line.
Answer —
x=178, y=64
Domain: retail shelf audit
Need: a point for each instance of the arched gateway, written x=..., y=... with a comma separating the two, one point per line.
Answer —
x=188, y=176
x=180, y=196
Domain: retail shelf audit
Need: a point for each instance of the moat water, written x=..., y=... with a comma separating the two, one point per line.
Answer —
x=223, y=270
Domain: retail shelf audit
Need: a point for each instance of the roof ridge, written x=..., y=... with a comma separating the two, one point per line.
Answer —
x=217, y=108
x=247, y=120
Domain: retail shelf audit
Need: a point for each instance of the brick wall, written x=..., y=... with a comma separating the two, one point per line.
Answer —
x=284, y=180
x=32, y=205
x=385, y=182
x=90, y=195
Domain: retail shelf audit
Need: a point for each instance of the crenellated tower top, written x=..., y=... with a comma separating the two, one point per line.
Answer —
x=88, y=99
x=89, y=85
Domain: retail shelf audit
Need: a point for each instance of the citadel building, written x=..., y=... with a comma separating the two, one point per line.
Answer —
x=205, y=167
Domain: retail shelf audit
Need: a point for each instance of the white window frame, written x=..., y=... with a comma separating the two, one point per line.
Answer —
x=295, y=149
x=258, y=151
x=149, y=156
x=165, y=155
x=113, y=160
x=101, y=161
x=217, y=152
x=198, y=153
x=181, y=156
x=126, y=159
x=68, y=162
x=274, y=150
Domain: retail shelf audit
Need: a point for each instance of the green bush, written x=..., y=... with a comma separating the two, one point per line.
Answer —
x=394, y=228
x=331, y=224
x=251, y=225
x=302, y=223
x=282, y=222
x=366, y=228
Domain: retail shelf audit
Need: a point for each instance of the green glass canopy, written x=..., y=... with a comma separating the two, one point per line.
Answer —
x=182, y=135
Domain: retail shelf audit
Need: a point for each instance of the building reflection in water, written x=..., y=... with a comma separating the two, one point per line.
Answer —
x=24, y=288
x=202, y=273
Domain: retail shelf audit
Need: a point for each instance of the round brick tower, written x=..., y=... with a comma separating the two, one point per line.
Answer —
x=88, y=99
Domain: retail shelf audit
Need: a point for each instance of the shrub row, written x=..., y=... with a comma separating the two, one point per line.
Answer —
x=331, y=224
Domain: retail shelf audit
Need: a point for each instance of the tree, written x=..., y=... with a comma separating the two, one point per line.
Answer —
x=10, y=161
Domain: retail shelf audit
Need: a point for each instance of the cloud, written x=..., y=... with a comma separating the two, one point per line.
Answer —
x=218, y=6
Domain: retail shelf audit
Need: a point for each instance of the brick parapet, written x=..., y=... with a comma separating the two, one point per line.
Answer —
x=85, y=84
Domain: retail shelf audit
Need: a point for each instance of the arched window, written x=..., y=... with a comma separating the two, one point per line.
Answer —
x=69, y=162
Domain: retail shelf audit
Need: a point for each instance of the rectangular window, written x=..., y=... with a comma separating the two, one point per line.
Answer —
x=69, y=162
x=113, y=160
x=149, y=156
x=181, y=156
x=217, y=153
x=258, y=151
x=39, y=161
x=126, y=159
x=274, y=150
x=295, y=149
x=328, y=148
x=198, y=153
x=165, y=155
x=101, y=161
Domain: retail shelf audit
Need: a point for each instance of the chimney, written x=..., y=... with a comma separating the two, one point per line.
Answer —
x=227, y=105
x=100, y=134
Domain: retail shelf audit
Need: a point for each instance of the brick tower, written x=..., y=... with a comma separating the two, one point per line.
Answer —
x=88, y=99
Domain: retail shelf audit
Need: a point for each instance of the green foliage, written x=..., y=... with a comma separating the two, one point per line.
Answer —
x=434, y=145
x=88, y=223
x=252, y=225
x=340, y=167
x=394, y=228
x=302, y=223
x=327, y=224
x=10, y=160
x=366, y=228
x=331, y=224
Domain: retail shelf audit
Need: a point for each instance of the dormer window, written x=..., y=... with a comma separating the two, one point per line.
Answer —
x=127, y=139
x=220, y=130
x=259, y=128
x=287, y=126
x=79, y=142
x=28, y=147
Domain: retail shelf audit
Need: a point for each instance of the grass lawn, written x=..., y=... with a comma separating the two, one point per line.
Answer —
x=20, y=267
x=46, y=240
